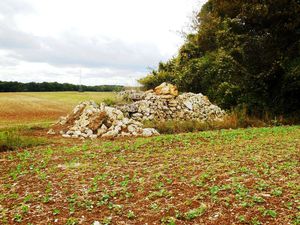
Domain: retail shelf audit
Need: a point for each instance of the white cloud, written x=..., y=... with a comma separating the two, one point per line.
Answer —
x=113, y=41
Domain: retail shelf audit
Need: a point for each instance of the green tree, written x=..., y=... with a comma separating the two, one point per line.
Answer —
x=241, y=53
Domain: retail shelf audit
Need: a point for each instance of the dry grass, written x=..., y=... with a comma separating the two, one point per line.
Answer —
x=12, y=140
x=44, y=107
x=231, y=121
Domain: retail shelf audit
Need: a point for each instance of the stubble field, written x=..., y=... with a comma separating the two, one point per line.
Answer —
x=42, y=108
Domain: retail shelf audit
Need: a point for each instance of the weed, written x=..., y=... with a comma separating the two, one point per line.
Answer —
x=18, y=218
x=25, y=209
x=258, y=199
x=242, y=219
x=130, y=214
x=46, y=199
x=154, y=206
x=262, y=186
x=72, y=221
x=107, y=221
x=241, y=191
x=194, y=213
x=159, y=194
x=56, y=212
x=270, y=212
x=296, y=220
x=168, y=220
x=255, y=221
x=277, y=192
x=214, y=190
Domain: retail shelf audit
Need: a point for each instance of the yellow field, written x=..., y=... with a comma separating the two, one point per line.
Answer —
x=42, y=107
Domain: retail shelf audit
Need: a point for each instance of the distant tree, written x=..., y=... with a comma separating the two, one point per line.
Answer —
x=53, y=86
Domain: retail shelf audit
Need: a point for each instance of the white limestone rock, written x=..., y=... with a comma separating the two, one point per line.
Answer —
x=51, y=132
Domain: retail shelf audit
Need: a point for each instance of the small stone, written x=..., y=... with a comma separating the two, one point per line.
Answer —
x=96, y=223
x=62, y=120
x=66, y=135
x=124, y=134
x=101, y=131
x=77, y=132
x=149, y=91
x=189, y=105
x=94, y=136
x=70, y=132
x=117, y=128
x=111, y=133
x=137, y=123
x=89, y=132
x=138, y=115
x=125, y=121
x=147, y=132
x=51, y=132
x=131, y=128
x=83, y=135
x=167, y=96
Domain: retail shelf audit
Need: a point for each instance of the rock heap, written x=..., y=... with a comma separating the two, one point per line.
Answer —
x=90, y=120
x=164, y=103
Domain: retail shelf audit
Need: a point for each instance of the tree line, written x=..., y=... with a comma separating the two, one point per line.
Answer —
x=12, y=86
x=240, y=54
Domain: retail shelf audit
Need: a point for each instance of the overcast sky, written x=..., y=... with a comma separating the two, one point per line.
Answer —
x=111, y=41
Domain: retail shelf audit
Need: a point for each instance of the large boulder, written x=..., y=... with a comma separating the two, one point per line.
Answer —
x=166, y=89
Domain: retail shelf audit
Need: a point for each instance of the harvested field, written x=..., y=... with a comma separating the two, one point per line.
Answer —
x=245, y=176
x=42, y=107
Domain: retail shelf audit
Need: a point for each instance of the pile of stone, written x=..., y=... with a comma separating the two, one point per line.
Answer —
x=164, y=103
x=90, y=120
